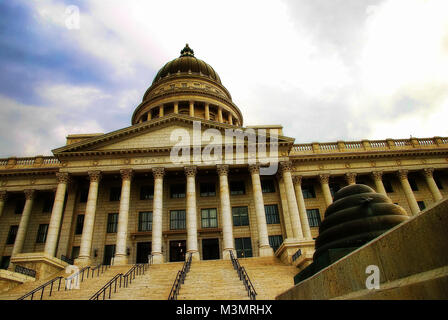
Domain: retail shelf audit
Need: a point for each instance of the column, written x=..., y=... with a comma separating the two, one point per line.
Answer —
x=230, y=119
x=432, y=185
x=191, y=108
x=56, y=214
x=350, y=177
x=263, y=239
x=284, y=200
x=324, y=178
x=403, y=176
x=207, y=111
x=297, y=180
x=192, y=232
x=176, y=107
x=285, y=169
x=378, y=178
x=3, y=198
x=161, y=111
x=23, y=225
x=220, y=115
x=226, y=213
x=157, y=210
x=84, y=258
x=123, y=218
x=149, y=115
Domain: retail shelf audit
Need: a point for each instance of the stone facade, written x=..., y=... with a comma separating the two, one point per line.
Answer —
x=110, y=179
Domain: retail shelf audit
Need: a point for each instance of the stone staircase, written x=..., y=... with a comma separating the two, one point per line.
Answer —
x=87, y=288
x=269, y=276
x=212, y=280
x=155, y=284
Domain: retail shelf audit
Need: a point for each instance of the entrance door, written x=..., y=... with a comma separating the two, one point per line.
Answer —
x=178, y=248
x=109, y=252
x=143, y=251
x=210, y=249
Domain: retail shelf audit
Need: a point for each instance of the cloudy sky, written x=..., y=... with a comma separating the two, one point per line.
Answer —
x=326, y=70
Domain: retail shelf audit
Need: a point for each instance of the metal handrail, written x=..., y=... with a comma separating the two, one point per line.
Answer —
x=42, y=287
x=98, y=268
x=108, y=285
x=25, y=271
x=242, y=274
x=75, y=277
x=120, y=279
x=180, y=278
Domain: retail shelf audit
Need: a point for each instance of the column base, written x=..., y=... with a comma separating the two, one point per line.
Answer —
x=194, y=255
x=226, y=253
x=157, y=258
x=265, y=252
x=120, y=260
x=83, y=261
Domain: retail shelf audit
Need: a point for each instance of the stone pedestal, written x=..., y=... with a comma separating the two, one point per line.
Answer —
x=289, y=253
x=44, y=264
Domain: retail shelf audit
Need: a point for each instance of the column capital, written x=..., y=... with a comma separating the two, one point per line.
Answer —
x=324, y=178
x=285, y=166
x=94, y=176
x=402, y=174
x=297, y=180
x=377, y=175
x=254, y=168
x=190, y=171
x=350, y=177
x=29, y=194
x=158, y=172
x=126, y=174
x=428, y=172
x=62, y=177
x=3, y=195
x=223, y=169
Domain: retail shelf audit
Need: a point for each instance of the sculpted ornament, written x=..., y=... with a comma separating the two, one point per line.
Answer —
x=95, y=176
x=190, y=171
x=285, y=166
x=126, y=174
x=254, y=168
x=350, y=177
x=29, y=194
x=402, y=174
x=223, y=169
x=297, y=180
x=62, y=177
x=158, y=172
x=377, y=175
x=3, y=195
x=428, y=172
x=324, y=178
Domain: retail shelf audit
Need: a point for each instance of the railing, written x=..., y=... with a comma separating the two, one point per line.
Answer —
x=30, y=161
x=42, y=289
x=99, y=268
x=67, y=259
x=120, y=280
x=25, y=271
x=150, y=259
x=180, y=278
x=242, y=274
x=296, y=255
x=367, y=145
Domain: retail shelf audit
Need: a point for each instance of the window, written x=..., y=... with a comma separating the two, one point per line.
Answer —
x=272, y=216
x=438, y=183
x=75, y=252
x=243, y=247
x=83, y=195
x=388, y=186
x=209, y=218
x=115, y=194
x=146, y=192
x=267, y=186
x=112, y=222
x=177, y=220
x=207, y=189
x=79, y=224
x=177, y=191
x=421, y=205
x=145, y=221
x=237, y=187
x=12, y=234
x=308, y=191
x=240, y=216
x=42, y=233
x=20, y=204
x=413, y=184
x=5, y=262
x=313, y=217
x=275, y=241
x=334, y=187
x=48, y=203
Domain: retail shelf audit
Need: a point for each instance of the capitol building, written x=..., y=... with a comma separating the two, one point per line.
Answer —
x=187, y=179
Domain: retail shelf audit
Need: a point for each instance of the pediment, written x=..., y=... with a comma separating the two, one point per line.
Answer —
x=165, y=133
